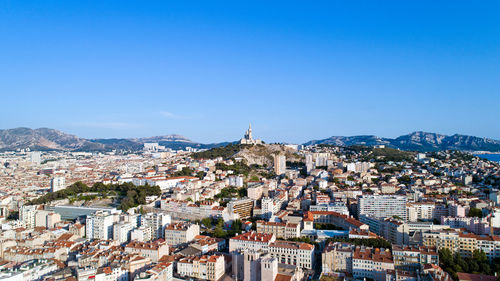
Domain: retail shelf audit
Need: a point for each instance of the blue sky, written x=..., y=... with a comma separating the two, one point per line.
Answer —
x=298, y=70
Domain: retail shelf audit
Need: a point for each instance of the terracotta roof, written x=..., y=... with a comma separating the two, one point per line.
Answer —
x=475, y=277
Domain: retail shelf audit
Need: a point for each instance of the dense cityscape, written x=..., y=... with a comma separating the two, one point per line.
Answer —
x=249, y=211
x=162, y=140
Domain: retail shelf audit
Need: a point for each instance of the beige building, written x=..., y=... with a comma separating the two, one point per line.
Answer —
x=337, y=257
x=371, y=263
x=294, y=253
x=153, y=250
x=279, y=164
x=46, y=219
x=283, y=230
x=413, y=258
x=463, y=242
x=180, y=232
x=204, y=267
x=420, y=211
x=159, y=272
x=325, y=217
x=243, y=207
x=251, y=241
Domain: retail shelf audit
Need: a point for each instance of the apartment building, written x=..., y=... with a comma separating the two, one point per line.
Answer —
x=413, y=258
x=337, y=257
x=154, y=250
x=285, y=230
x=242, y=207
x=463, y=242
x=157, y=222
x=204, y=267
x=371, y=263
x=122, y=231
x=251, y=241
x=420, y=211
x=382, y=206
x=293, y=253
x=324, y=217
x=27, y=215
x=181, y=232
x=159, y=272
x=396, y=231
x=100, y=225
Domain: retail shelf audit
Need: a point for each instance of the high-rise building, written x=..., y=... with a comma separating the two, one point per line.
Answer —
x=27, y=215
x=279, y=164
x=242, y=207
x=100, y=226
x=57, y=183
x=267, y=205
x=35, y=157
x=382, y=206
x=309, y=163
x=157, y=222
x=122, y=231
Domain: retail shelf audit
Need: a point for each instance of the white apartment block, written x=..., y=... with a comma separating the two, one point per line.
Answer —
x=100, y=225
x=157, y=222
x=420, y=211
x=27, y=215
x=338, y=207
x=57, y=183
x=279, y=164
x=141, y=234
x=382, y=206
x=122, y=231
x=180, y=233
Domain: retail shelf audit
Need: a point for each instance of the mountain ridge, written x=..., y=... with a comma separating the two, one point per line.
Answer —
x=51, y=139
x=419, y=141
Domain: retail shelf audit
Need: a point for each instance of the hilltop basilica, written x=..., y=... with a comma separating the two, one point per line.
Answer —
x=247, y=138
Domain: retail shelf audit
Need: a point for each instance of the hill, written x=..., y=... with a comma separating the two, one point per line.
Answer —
x=418, y=141
x=261, y=154
x=49, y=139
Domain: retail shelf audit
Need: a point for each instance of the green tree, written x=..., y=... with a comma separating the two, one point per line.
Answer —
x=474, y=212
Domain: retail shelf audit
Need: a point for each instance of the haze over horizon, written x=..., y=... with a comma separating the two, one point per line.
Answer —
x=297, y=72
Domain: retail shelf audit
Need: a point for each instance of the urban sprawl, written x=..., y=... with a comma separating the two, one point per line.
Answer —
x=249, y=211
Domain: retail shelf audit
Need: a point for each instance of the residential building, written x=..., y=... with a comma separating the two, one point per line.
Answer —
x=181, y=232
x=284, y=230
x=203, y=267
x=242, y=207
x=371, y=263
x=100, y=225
x=279, y=164
x=382, y=206
x=413, y=258
x=251, y=241
x=154, y=250
x=57, y=183
x=337, y=257
x=294, y=253
x=157, y=222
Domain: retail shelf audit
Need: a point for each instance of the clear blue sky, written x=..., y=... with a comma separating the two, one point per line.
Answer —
x=296, y=70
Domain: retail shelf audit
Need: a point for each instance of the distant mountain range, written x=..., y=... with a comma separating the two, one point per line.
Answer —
x=418, y=141
x=50, y=139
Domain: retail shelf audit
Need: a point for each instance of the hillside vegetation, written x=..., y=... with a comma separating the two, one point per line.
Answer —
x=129, y=194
